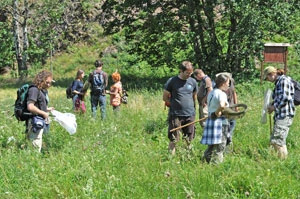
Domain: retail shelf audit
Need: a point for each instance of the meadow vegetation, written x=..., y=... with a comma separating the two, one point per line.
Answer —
x=127, y=156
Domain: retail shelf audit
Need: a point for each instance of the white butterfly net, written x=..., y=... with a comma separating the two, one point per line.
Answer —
x=66, y=120
x=267, y=100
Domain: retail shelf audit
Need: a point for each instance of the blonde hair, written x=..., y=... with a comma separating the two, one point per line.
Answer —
x=41, y=77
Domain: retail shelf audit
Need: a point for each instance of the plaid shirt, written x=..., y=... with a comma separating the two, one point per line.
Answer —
x=213, y=131
x=283, y=96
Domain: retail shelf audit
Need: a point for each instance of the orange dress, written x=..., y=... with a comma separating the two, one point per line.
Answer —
x=115, y=94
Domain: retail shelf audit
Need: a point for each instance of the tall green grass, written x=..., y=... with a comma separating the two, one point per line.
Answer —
x=127, y=156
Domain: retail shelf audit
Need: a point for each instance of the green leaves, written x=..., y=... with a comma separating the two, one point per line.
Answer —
x=214, y=35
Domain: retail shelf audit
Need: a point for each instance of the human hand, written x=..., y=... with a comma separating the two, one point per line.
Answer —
x=45, y=115
x=167, y=103
x=270, y=109
x=49, y=109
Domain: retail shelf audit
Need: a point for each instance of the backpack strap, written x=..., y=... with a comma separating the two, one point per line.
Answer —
x=204, y=82
x=38, y=95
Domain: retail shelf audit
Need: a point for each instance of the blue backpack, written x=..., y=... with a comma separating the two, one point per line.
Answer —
x=98, y=83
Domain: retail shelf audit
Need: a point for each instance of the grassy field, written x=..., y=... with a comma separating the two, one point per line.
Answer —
x=127, y=156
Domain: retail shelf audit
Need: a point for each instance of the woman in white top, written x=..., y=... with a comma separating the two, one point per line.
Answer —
x=216, y=128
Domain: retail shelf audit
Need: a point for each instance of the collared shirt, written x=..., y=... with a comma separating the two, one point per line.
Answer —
x=283, y=96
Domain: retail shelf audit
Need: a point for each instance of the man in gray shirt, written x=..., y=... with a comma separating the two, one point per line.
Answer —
x=180, y=93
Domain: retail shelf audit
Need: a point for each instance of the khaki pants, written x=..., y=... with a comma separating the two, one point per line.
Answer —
x=203, y=112
x=35, y=138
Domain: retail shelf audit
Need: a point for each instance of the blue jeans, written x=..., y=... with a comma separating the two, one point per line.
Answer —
x=74, y=100
x=232, y=124
x=101, y=101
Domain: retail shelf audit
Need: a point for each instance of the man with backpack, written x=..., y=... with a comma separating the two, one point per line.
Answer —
x=204, y=88
x=98, y=80
x=37, y=105
x=283, y=107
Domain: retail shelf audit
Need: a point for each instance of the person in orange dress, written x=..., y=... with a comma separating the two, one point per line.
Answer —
x=116, y=92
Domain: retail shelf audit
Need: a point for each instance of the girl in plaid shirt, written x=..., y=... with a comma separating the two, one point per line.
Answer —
x=282, y=106
x=216, y=127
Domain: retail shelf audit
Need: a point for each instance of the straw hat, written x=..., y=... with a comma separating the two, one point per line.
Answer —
x=268, y=70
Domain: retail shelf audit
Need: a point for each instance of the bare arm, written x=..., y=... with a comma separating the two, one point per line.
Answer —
x=195, y=98
x=220, y=109
x=204, y=101
x=166, y=96
x=35, y=110
x=235, y=101
x=106, y=80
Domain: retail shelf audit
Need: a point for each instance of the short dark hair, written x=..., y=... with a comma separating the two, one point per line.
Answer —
x=98, y=63
x=185, y=65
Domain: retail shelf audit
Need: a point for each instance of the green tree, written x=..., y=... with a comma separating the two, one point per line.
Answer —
x=6, y=46
x=44, y=27
x=217, y=35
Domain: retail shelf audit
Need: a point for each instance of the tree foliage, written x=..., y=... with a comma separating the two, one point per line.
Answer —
x=52, y=25
x=216, y=35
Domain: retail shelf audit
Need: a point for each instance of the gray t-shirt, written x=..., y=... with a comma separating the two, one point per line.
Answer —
x=37, y=97
x=182, y=101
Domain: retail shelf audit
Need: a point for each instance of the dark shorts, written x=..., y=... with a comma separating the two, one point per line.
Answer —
x=187, y=132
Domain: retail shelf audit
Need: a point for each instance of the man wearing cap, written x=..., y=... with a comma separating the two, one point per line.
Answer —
x=282, y=106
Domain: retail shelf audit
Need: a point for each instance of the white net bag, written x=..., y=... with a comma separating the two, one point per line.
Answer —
x=66, y=120
x=267, y=100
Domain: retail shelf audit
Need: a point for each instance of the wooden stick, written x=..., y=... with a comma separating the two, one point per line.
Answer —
x=180, y=127
x=270, y=118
